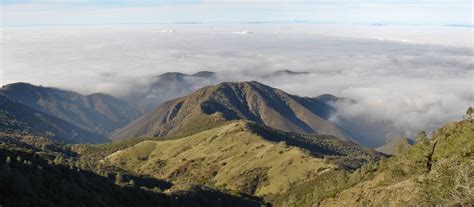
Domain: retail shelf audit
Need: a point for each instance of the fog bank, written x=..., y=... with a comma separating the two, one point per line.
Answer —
x=404, y=79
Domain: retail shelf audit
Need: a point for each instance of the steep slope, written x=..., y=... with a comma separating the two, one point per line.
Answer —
x=98, y=113
x=231, y=101
x=395, y=145
x=169, y=86
x=241, y=156
x=17, y=118
x=439, y=171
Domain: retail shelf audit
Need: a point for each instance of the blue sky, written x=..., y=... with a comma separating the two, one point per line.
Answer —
x=415, y=12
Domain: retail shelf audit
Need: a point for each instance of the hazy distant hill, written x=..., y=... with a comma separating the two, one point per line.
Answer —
x=98, y=113
x=230, y=101
x=280, y=73
x=18, y=118
x=168, y=86
x=243, y=157
x=171, y=85
x=394, y=145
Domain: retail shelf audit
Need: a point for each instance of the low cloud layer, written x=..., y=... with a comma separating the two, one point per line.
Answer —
x=403, y=80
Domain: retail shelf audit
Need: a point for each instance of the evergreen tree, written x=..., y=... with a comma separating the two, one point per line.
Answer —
x=131, y=183
x=118, y=178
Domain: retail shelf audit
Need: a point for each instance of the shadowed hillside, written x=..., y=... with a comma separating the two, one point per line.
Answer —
x=96, y=113
x=17, y=118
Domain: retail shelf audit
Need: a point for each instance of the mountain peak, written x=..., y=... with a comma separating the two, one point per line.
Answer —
x=250, y=101
x=28, y=89
x=229, y=88
x=201, y=74
x=327, y=97
x=172, y=75
x=20, y=87
x=280, y=73
x=17, y=85
x=248, y=85
x=290, y=72
x=204, y=74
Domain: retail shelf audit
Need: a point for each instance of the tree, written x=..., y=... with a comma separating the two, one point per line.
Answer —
x=469, y=114
x=118, y=178
x=58, y=160
x=131, y=183
x=421, y=137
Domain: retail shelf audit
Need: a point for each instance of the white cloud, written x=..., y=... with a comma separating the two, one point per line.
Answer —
x=405, y=79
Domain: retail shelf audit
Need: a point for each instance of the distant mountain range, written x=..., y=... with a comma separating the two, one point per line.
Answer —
x=251, y=101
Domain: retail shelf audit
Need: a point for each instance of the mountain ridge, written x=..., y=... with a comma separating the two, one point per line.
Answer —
x=170, y=85
x=234, y=100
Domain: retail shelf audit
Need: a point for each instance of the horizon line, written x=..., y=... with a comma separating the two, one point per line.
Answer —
x=374, y=24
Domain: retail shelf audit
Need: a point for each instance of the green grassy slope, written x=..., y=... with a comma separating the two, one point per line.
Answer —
x=242, y=157
x=439, y=171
